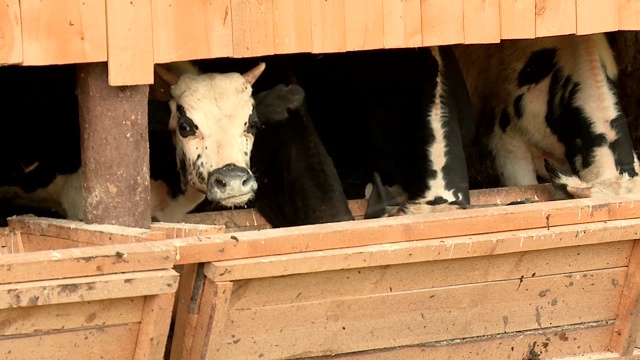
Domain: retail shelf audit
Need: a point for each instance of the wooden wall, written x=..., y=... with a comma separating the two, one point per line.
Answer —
x=132, y=35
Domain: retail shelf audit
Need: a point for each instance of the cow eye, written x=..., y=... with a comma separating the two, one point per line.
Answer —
x=186, y=127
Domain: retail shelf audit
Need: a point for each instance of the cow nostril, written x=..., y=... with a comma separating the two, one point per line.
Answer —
x=220, y=182
x=246, y=181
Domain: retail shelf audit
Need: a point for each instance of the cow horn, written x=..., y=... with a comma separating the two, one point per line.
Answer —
x=252, y=75
x=166, y=75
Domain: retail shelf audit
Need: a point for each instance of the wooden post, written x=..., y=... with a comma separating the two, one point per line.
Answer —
x=115, y=149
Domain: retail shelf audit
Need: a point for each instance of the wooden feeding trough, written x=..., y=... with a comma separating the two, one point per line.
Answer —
x=541, y=280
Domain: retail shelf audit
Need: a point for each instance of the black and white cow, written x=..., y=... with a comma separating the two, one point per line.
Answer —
x=549, y=106
x=390, y=112
x=200, y=142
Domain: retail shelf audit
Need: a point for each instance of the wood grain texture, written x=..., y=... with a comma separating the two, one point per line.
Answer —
x=63, y=32
x=100, y=342
x=364, y=24
x=252, y=24
x=393, y=318
x=628, y=15
x=402, y=23
x=517, y=19
x=47, y=318
x=129, y=42
x=212, y=318
x=88, y=288
x=328, y=26
x=481, y=21
x=292, y=26
x=442, y=22
x=191, y=30
x=596, y=16
x=627, y=327
x=10, y=32
x=555, y=17
x=154, y=327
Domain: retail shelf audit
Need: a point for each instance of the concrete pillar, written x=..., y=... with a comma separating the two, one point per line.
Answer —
x=115, y=149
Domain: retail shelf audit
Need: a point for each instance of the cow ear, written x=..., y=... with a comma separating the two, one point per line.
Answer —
x=173, y=120
x=252, y=75
x=166, y=74
x=160, y=90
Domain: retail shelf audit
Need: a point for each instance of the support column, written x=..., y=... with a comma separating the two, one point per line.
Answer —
x=115, y=149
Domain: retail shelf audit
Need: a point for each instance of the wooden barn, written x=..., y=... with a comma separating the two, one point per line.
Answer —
x=542, y=280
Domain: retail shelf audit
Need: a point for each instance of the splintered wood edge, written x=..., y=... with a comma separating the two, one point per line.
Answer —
x=425, y=250
x=88, y=288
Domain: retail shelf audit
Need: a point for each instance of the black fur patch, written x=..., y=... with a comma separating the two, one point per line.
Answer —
x=186, y=126
x=539, y=65
x=505, y=120
x=517, y=106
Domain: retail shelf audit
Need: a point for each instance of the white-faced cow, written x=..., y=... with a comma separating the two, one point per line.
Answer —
x=200, y=142
x=390, y=112
x=549, y=107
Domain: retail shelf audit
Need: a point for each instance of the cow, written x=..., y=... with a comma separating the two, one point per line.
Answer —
x=200, y=141
x=297, y=182
x=548, y=108
x=389, y=112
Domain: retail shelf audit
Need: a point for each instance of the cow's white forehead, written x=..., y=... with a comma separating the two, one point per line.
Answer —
x=213, y=94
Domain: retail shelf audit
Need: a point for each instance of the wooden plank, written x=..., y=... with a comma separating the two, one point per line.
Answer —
x=108, y=259
x=628, y=15
x=564, y=239
x=358, y=282
x=34, y=243
x=481, y=21
x=252, y=27
x=77, y=231
x=517, y=19
x=557, y=344
x=187, y=310
x=627, y=327
x=555, y=17
x=38, y=319
x=402, y=23
x=250, y=219
x=212, y=319
x=154, y=328
x=364, y=24
x=442, y=22
x=406, y=228
x=292, y=26
x=10, y=32
x=166, y=253
x=129, y=42
x=88, y=288
x=102, y=342
x=337, y=325
x=596, y=16
x=191, y=30
x=63, y=32
x=10, y=242
x=328, y=26
x=175, y=230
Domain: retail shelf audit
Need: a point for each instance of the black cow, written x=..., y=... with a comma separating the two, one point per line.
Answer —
x=297, y=182
x=390, y=112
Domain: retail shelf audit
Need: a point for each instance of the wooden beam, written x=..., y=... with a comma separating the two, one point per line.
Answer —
x=115, y=150
x=627, y=327
x=88, y=288
x=402, y=23
x=252, y=24
x=154, y=327
x=129, y=42
x=517, y=19
x=442, y=22
x=63, y=32
x=481, y=21
x=292, y=26
x=555, y=17
x=11, y=30
x=596, y=16
x=328, y=26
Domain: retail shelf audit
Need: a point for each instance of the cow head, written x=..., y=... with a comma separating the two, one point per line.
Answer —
x=214, y=122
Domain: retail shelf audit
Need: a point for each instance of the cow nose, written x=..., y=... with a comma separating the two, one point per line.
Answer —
x=231, y=185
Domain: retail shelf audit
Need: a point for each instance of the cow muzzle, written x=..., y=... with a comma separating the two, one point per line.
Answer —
x=231, y=185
